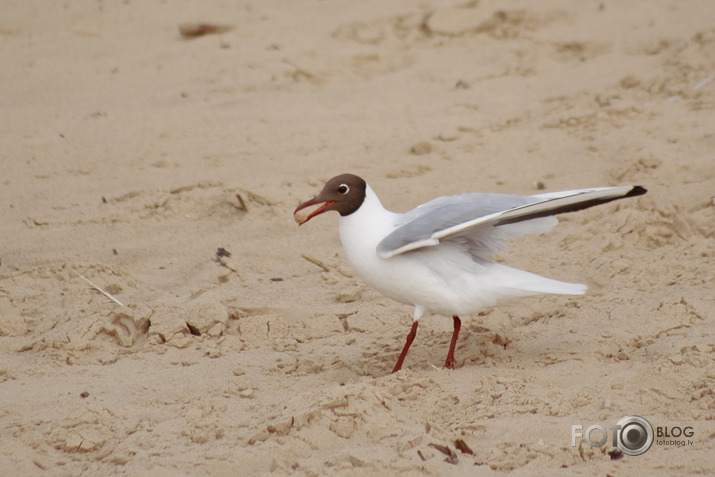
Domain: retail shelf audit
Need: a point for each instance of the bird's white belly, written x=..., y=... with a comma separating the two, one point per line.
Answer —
x=440, y=279
x=424, y=278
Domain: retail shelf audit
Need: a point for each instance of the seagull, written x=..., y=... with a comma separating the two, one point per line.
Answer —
x=439, y=257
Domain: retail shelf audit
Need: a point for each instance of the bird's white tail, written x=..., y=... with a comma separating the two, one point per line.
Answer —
x=532, y=284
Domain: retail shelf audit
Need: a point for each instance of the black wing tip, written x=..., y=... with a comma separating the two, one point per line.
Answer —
x=632, y=192
x=636, y=191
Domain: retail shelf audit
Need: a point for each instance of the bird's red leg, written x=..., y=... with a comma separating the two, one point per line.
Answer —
x=410, y=337
x=449, y=364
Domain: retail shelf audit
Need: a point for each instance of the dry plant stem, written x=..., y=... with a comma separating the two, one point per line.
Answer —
x=101, y=290
x=315, y=261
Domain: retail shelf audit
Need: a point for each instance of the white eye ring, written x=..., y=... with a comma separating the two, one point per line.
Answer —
x=343, y=189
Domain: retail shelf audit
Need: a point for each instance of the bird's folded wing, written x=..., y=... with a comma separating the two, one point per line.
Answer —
x=467, y=214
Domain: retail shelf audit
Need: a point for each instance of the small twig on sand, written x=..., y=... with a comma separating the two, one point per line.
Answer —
x=451, y=456
x=315, y=261
x=101, y=290
x=191, y=30
x=241, y=204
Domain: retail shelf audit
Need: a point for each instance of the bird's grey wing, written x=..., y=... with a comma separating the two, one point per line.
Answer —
x=425, y=225
x=477, y=216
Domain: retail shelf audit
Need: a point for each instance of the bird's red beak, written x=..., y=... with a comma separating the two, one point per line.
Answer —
x=302, y=216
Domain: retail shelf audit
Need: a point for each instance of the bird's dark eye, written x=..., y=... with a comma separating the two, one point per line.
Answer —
x=343, y=189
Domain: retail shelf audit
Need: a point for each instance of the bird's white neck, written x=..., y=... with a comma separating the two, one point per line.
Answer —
x=361, y=231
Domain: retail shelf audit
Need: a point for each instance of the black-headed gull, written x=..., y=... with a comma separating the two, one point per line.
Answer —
x=438, y=257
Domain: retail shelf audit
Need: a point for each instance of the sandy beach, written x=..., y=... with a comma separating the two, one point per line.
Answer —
x=163, y=170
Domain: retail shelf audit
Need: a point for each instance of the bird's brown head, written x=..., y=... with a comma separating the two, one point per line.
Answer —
x=344, y=193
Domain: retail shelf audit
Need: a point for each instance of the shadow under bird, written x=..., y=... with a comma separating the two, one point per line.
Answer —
x=439, y=257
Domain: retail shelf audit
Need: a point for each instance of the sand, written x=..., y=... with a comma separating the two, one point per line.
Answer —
x=165, y=170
